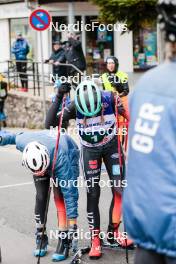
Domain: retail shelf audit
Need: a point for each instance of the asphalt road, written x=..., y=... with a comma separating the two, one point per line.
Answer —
x=17, y=227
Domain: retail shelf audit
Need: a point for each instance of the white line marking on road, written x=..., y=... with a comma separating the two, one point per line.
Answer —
x=20, y=184
x=15, y=185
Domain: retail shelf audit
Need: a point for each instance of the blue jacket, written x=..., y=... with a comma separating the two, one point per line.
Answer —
x=67, y=164
x=149, y=202
x=20, y=49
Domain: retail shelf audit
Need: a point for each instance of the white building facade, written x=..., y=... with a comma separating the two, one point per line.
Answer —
x=14, y=17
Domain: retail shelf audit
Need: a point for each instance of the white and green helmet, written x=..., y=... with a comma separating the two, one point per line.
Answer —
x=88, y=98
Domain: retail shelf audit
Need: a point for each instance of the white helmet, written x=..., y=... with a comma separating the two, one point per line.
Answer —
x=36, y=158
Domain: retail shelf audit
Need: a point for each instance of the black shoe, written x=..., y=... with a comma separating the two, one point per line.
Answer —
x=43, y=250
x=110, y=235
x=116, y=238
x=62, y=250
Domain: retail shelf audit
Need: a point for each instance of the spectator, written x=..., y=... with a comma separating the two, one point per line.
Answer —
x=74, y=54
x=20, y=49
x=57, y=57
x=3, y=96
x=115, y=80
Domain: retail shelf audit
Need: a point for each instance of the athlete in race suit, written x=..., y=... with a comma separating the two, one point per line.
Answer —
x=42, y=144
x=94, y=111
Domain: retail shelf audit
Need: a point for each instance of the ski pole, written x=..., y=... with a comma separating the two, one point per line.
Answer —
x=126, y=138
x=118, y=137
x=121, y=161
x=52, y=176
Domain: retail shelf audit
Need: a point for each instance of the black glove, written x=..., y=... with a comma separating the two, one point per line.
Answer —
x=46, y=61
x=116, y=80
x=123, y=89
x=113, y=79
x=64, y=88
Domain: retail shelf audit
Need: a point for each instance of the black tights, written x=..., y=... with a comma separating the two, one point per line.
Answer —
x=42, y=187
x=22, y=69
x=91, y=163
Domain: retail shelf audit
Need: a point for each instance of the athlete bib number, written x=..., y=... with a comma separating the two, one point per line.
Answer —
x=92, y=138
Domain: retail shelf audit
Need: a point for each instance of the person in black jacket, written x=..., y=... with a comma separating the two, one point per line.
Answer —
x=74, y=54
x=57, y=57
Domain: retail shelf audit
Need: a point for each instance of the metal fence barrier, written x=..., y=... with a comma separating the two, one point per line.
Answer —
x=32, y=75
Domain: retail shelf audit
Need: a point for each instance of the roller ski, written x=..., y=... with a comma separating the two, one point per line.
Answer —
x=115, y=246
x=77, y=258
x=41, y=250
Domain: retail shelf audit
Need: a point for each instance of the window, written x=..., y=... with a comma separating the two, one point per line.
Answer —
x=145, y=49
x=99, y=45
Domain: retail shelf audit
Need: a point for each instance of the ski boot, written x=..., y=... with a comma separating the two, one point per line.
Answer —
x=116, y=238
x=62, y=250
x=43, y=250
x=95, y=251
x=73, y=238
